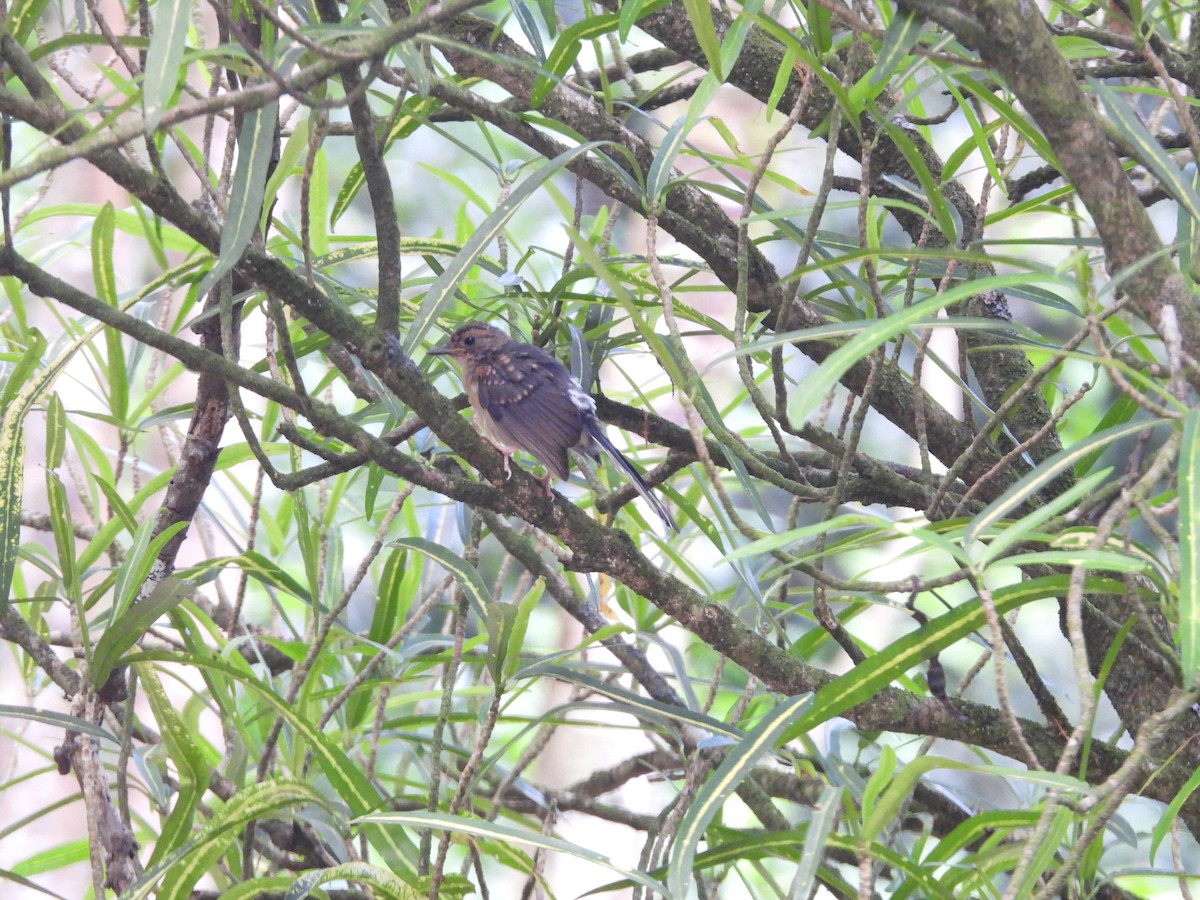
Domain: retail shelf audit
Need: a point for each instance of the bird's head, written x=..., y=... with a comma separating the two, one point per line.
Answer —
x=471, y=341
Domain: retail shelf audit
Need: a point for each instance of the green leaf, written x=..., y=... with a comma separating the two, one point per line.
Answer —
x=135, y=568
x=901, y=35
x=773, y=542
x=104, y=276
x=1149, y=151
x=529, y=27
x=876, y=672
x=20, y=392
x=413, y=113
x=1012, y=533
x=1093, y=560
x=1188, y=485
x=442, y=290
x=901, y=785
x=1163, y=826
x=184, y=751
x=565, y=51
x=164, y=58
x=129, y=628
x=643, y=707
x=700, y=15
x=384, y=882
x=658, y=178
x=879, y=331
x=735, y=36
x=256, y=142
x=64, y=543
x=187, y=865
x=464, y=573
x=59, y=720
x=23, y=15
x=345, y=776
x=506, y=833
x=1033, y=482
x=823, y=817
x=501, y=622
x=739, y=762
x=56, y=432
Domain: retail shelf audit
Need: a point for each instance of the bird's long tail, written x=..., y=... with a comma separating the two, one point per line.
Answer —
x=597, y=432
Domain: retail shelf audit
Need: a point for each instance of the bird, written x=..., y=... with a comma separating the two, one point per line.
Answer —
x=525, y=399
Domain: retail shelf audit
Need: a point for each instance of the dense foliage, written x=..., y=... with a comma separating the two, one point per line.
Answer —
x=893, y=303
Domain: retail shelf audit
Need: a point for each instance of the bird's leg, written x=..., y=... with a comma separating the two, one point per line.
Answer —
x=546, y=482
x=504, y=451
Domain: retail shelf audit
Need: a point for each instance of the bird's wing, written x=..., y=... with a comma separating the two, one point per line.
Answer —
x=527, y=393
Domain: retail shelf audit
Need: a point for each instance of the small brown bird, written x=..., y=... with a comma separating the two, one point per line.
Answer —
x=525, y=399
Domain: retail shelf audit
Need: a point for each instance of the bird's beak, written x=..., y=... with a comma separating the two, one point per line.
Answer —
x=440, y=350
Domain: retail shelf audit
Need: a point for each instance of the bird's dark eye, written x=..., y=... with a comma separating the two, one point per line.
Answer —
x=469, y=340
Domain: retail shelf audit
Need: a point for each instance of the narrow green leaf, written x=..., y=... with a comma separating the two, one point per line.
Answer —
x=255, y=144
x=1094, y=560
x=59, y=720
x=345, y=776
x=1013, y=533
x=164, y=58
x=103, y=272
x=658, y=178
x=877, y=671
x=62, y=526
x=636, y=704
x=880, y=778
x=384, y=882
x=117, y=502
x=18, y=395
x=739, y=762
x=1119, y=412
x=189, y=761
x=773, y=542
x=294, y=149
x=1163, y=827
x=901, y=785
x=700, y=15
x=23, y=369
x=23, y=15
x=1188, y=486
x=821, y=382
x=520, y=627
x=1046, y=853
x=822, y=819
x=131, y=626
x=901, y=35
x=105, y=279
x=135, y=568
x=529, y=27
x=442, y=290
x=464, y=573
x=412, y=113
x=502, y=832
x=187, y=865
x=820, y=26
x=56, y=432
x=735, y=37
x=565, y=50
x=1032, y=483
x=931, y=192
x=1148, y=150
x=8, y=875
